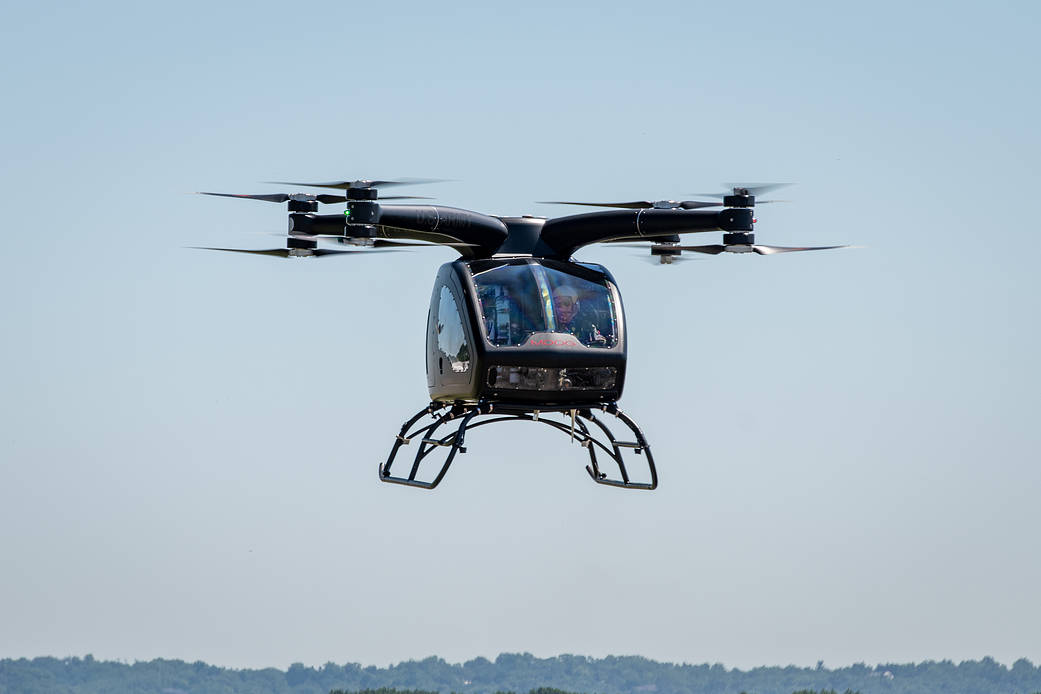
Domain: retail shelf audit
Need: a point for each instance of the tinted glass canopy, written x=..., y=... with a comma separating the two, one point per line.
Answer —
x=519, y=300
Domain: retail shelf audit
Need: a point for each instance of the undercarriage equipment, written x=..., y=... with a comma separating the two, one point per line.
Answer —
x=579, y=423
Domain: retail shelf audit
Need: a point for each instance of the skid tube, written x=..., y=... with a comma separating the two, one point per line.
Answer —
x=579, y=423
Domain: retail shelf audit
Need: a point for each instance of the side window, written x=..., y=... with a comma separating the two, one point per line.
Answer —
x=451, y=337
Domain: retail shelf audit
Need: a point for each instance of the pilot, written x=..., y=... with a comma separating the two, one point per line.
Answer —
x=569, y=320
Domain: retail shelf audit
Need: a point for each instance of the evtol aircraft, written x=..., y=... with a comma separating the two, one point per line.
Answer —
x=518, y=330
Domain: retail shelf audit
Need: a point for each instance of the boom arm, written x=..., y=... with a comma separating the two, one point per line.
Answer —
x=480, y=236
x=474, y=234
x=433, y=223
x=562, y=236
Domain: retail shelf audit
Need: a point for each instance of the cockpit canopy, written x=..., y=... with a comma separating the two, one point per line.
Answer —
x=519, y=300
x=523, y=329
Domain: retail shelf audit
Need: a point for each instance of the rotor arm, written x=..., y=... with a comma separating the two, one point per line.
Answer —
x=561, y=237
x=310, y=223
x=480, y=234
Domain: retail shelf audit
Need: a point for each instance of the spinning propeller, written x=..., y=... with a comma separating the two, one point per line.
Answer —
x=356, y=190
x=285, y=252
x=305, y=245
x=741, y=195
x=368, y=227
x=734, y=243
x=640, y=204
x=744, y=189
x=716, y=249
x=362, y=184
x=309, y=197
x=285, y=197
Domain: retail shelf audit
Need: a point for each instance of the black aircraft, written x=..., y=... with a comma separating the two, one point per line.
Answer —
x=517, y=329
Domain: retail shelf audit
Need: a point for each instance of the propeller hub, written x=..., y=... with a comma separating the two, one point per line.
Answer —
x=363, y=241
x=739, y=199
x=300, y=203
x=665, y=249
x=362, y=193
x=300, y=243
x=738, y=239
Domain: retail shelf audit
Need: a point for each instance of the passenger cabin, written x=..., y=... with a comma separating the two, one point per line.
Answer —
x=525, y=330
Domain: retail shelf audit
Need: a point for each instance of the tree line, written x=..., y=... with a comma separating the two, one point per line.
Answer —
x=511, y=673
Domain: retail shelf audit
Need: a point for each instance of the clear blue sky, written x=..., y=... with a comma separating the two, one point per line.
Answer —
x=847, y=440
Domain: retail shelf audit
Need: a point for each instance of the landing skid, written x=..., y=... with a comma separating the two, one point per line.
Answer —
x=580, y=424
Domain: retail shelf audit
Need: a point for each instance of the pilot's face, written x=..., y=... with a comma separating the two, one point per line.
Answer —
x=565, y=307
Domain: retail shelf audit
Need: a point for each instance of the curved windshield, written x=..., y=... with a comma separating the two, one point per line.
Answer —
x=518, y=301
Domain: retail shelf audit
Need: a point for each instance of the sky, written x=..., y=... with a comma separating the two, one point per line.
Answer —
x=846, y=440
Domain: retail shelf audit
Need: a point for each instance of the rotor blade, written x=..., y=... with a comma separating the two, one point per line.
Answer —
x=271, y=251
x=639, y=204
x=770, y=250
x=752, y=188
x=656, y=238
x=711, y=249
x=757, y=188
x=380, y=243
x=386, y=243
x=407, y=182
x=634, y=205
x=281, y=252
x=344, y=185
x=647, y=247
x=326, y=198
x=281, y=197
x=656, y=259
x=347, y=185
x=269, y=197
x=376, y=242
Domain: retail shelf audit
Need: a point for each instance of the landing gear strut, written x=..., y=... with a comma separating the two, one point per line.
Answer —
x=585, y=428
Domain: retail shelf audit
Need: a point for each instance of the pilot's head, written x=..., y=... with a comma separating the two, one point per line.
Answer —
x=565, y=304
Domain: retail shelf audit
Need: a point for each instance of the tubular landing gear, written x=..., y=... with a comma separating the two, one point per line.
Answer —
x=585, y=428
